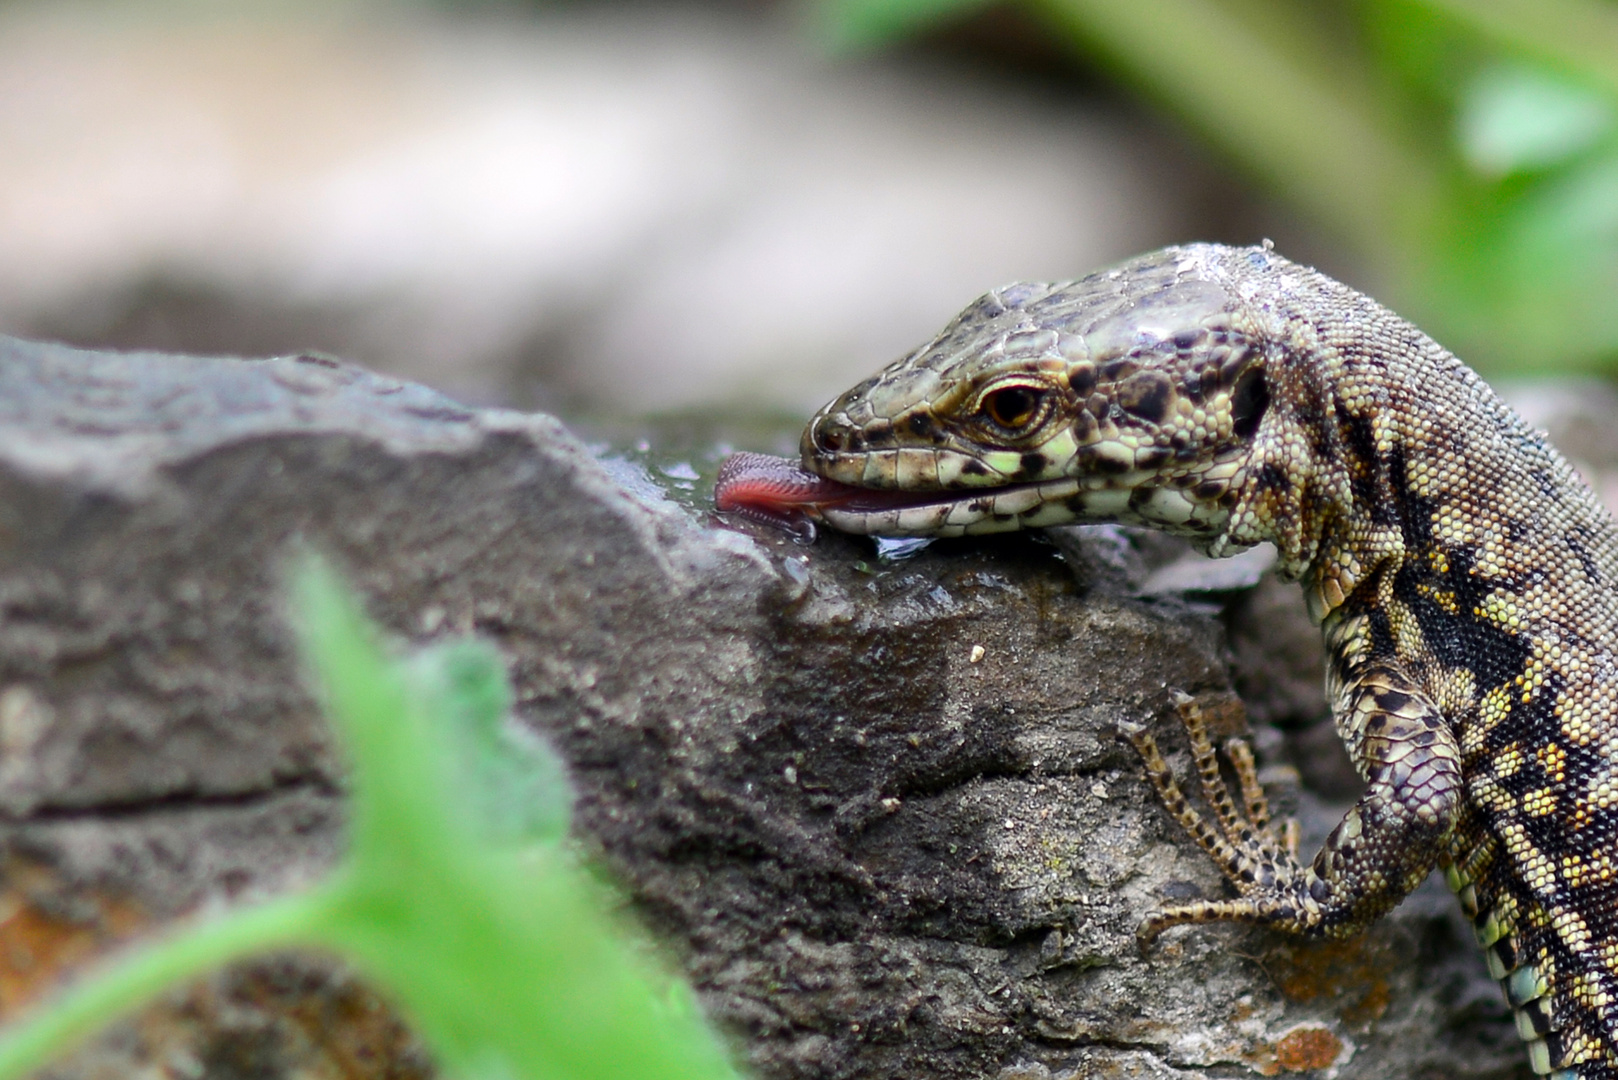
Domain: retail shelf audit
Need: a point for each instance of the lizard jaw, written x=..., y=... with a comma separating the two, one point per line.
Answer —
x=779, y=492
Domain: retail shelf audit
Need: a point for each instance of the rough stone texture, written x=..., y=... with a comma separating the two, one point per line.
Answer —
x=875, y=850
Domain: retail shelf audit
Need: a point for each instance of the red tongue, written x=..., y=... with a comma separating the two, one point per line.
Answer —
x=773, y=485
x=777, y=492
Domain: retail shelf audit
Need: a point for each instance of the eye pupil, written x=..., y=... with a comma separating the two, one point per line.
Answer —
x=1012, y=407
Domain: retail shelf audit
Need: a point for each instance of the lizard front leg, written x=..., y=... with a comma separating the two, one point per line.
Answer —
x=1384, y=846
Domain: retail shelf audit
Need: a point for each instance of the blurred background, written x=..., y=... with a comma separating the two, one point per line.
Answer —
x=724, y=207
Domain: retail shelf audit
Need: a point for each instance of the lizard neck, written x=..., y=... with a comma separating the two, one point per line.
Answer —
x=1339, y=479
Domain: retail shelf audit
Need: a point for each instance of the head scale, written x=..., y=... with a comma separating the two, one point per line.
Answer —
x=1133, y=395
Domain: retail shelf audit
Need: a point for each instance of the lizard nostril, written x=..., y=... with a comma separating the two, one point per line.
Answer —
x=831, y=438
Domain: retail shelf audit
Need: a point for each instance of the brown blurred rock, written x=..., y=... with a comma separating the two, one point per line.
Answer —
x=875, y=849
x=626, y=207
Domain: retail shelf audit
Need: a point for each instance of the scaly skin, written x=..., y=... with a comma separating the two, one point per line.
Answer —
x=1465, y=580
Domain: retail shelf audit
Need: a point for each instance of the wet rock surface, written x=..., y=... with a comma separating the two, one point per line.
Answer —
x=878, y=812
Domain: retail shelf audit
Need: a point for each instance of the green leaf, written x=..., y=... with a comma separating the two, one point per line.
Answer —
x=506, y=958
x=402, y=763
x=1516, y=118
x=1524, y=274
x=515, y=967
x=1559, y=248
x=866, y=23
x=131, y=979
x=1282, y=102
x=510, y=779
x=1571, y=35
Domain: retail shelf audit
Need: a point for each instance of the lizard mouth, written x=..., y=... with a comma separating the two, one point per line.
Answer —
x=778, y=491
x=769, y=483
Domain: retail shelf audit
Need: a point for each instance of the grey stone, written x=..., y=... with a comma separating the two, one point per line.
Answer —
x=878, y=811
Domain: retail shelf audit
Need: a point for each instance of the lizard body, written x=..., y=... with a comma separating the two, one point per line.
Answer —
x=1465, y=580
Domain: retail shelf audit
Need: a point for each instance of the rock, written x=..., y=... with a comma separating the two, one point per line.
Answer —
x=878, y=811
x=626, y=208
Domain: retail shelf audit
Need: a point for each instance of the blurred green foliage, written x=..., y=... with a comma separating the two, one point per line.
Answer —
x=458, y=897
x=1467, y=149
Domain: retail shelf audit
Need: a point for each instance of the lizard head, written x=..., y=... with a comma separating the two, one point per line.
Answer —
x=1132, y=395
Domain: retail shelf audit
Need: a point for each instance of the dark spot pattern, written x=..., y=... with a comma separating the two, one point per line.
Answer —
x=1152, y=457
x=1364, y=467
x=1576, y=544
x=1471, y=556
x=1270, y=477
x=1248, y=402
x=1146, y=396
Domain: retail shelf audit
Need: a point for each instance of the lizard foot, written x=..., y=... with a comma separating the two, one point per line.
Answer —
x=1261, y=863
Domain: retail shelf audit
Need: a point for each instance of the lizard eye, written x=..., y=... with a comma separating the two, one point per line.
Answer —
x=1013, y=407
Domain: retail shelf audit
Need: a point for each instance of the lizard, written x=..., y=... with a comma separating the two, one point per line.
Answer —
x=1463, y=576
